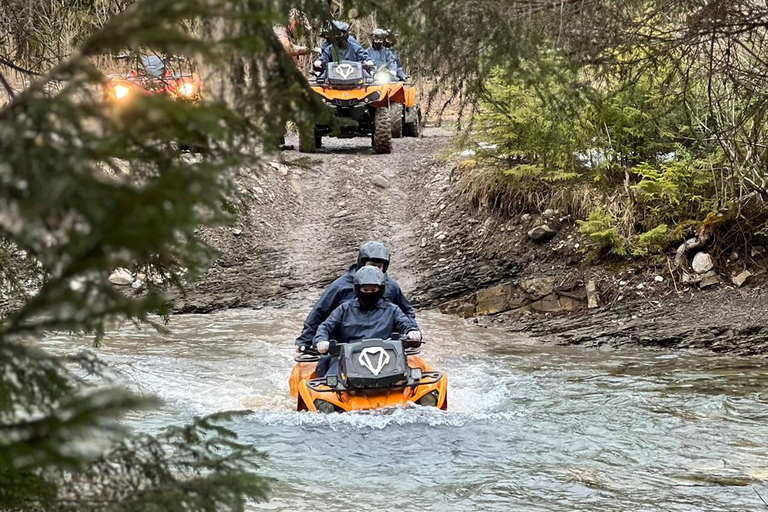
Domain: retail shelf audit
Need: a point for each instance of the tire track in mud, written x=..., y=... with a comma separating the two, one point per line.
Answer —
x=301, y=222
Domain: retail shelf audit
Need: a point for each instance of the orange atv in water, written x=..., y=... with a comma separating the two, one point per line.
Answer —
x=373, y=374
x=360, y=101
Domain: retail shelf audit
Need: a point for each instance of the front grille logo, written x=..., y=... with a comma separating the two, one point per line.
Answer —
x=345, y=70
x=366, y=359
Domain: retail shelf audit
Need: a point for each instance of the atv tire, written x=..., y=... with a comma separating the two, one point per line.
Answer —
x=382, y=131
x=307, y=141
x=396, y=111
x=413, y=129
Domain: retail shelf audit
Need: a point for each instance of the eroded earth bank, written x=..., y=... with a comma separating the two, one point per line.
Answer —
x=302, y=217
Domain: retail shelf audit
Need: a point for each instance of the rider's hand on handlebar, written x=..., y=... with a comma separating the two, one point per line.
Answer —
x=323, y=346
x=368, y=63
x=414, y=336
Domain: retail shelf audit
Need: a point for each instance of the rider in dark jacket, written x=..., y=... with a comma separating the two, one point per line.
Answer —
x=343, y=289
x=380, y=55
x=389, y=42
x=366, y=316
x=342, y=46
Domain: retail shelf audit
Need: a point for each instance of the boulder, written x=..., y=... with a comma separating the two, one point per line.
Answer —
x=709, y=279
x=554, y=304
x=121, y=277
x=538, y=287
x=702, y=263
x=593, y=297
x=496, y=299
x=464, y=308
x=740, y=279
x=542, y=234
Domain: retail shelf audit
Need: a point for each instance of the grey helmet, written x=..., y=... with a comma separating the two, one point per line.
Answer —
x=373, y=251
x=378, y=37
x=370, y=276
x=341, y=26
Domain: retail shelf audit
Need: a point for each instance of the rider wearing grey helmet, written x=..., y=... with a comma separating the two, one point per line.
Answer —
x=339, y=45
x=374, y=254
x=366, y=316
x=381, y=56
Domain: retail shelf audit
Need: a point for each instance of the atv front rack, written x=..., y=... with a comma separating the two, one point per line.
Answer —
x=321, y=385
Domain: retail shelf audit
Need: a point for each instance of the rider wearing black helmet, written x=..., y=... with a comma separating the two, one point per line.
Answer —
x=366, y=316
x=373, y=254
x=389, y=43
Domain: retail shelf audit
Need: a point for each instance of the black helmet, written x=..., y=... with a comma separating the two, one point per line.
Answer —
x=373, y=251
x=390, y=39
x=370, y=276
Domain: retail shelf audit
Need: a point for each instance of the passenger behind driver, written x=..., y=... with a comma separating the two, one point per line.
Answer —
x=389, y=43
x=381, y=56
x=366, y=316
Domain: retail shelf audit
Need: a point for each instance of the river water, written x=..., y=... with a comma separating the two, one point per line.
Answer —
x=530, y=427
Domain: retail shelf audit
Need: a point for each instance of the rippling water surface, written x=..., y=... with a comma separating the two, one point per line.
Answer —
x=530, y=427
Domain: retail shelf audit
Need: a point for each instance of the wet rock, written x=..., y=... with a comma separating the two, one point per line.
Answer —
x=464, y=308
x=526, y=217
x=658, y=279
x=538, y=287
x=137, y=284
x=702, y=263
x=542, y=234
x=380, y=181
x=342, y=213
x=593, y=297
x=121, y=277
x=734, y=256
x=237, y=231
x=555, y=304
x=740, y=279
x=548, y=213
x=499, y=298
x=441, y=237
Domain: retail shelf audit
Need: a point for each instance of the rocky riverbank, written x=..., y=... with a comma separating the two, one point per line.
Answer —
x=302, y=217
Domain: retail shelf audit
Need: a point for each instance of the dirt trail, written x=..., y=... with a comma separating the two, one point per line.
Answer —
x=301, y=221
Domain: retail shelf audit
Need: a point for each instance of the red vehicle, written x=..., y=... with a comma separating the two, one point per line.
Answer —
x=153, y=76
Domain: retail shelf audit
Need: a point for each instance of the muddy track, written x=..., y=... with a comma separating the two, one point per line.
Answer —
x=302, y=219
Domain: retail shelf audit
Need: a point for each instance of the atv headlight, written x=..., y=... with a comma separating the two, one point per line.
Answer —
x=382, y=77
x=121, y=91
x=188, y=89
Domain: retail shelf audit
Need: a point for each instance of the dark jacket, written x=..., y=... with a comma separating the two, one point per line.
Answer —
x=342, y=290
x=382, y=58
x=353, y=51
x=399, y=65
x=349, y=323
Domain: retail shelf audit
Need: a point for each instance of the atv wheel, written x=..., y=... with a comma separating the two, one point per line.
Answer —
x=307, y=140
x=382, y=132
x=396, y=111
x=413, y=129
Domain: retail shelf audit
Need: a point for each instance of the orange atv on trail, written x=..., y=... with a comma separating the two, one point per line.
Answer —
x=374, y=374
x=406, y=114
x=360, y=101
x=152, y=76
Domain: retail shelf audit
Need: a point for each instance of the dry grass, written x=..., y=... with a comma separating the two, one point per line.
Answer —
x=487, y=187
